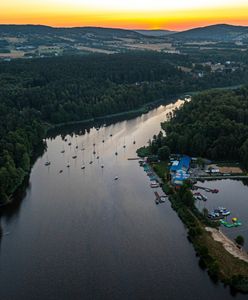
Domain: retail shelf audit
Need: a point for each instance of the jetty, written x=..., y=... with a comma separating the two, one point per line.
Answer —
x=133, y=158
x=219, y=177
x=206, y=189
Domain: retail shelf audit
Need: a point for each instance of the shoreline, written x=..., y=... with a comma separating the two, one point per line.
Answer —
x=218, y=254
x=132, y=113
x=141, y=110
x=50, y=127
x=228, y=244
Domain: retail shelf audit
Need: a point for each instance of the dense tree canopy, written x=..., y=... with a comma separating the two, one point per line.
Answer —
x=36, y=93
x=214, y=125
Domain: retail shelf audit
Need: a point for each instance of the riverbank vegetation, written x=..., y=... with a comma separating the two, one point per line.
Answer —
x=213, y=257
x=40, y=93
x=214, y=124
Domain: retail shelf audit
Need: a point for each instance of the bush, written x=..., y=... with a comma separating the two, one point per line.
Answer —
x=144, y=151
x=240, y=240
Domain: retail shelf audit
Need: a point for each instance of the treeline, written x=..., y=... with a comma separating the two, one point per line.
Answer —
x=214, y=125
x=37, y=93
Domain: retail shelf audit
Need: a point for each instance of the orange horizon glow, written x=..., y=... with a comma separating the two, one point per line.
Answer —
x=185, y=14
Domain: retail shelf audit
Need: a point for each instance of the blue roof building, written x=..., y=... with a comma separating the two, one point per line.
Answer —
x=179, y=170
x=182, y=164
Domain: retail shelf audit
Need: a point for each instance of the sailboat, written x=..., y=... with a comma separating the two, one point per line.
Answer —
x=116, y=153
x=134, y=142
x=63, y=150
x=47, y=163
x=124, y=146
x=83, y=166
x=102, y=165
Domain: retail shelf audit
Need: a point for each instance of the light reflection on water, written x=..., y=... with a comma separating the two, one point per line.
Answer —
x=80, y=234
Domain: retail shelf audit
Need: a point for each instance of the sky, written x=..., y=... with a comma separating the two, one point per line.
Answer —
x=131, y=14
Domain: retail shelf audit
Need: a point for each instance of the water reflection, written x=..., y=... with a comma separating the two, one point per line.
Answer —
x=81, y=234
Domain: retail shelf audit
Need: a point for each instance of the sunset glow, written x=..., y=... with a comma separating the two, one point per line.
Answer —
x=175, y=15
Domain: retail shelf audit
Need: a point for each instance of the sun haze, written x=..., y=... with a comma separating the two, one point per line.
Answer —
x=175, y=15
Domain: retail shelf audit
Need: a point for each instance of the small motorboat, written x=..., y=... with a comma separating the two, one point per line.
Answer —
x=111, y=134
x=68, y=166
x=116, y=153
x=162, y=198
x=116, y=177
x=223, y=211
x=94, y=152
x=69, y=144
x=60, y=171
x=103, y=141
x=91, y=162
x=102, y=166
x=74, y=156
x=83, y=167
x=97, y=157
x=47, y=163
x=134, y=142
x=154, y=184
x=215, y=191
x=62, y=151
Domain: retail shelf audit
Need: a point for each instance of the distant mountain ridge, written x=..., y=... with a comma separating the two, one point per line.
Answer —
x=218, y=32
x=43, y=29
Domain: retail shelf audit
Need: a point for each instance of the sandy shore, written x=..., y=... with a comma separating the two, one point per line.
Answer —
x=228, y=244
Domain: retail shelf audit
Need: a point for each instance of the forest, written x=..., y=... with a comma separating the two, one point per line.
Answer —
x=38, y=93
x=213, y=125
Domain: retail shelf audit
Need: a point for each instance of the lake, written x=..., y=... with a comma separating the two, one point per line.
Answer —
x=80, y=234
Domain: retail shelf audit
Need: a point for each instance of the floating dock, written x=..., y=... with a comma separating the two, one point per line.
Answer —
x=230, y=225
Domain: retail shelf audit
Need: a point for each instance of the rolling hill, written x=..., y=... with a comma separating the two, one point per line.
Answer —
x=219, y=32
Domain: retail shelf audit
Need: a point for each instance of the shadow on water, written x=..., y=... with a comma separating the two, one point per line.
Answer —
x=11, y=210
x=84, y=128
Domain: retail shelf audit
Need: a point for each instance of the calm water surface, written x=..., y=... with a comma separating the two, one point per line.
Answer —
x=82, y=235
x=233, y=195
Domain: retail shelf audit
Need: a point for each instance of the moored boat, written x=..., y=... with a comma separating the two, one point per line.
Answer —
x=154, y=184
